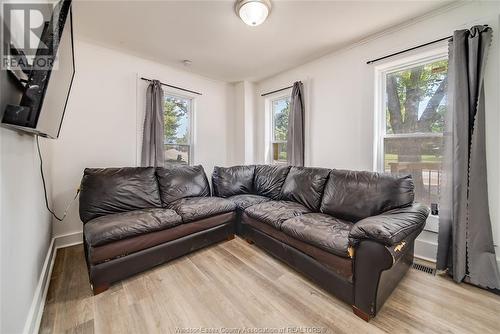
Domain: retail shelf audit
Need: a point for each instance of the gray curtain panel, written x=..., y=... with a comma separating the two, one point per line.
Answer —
x=465, y=246
x=295, y=139
x=153, y=134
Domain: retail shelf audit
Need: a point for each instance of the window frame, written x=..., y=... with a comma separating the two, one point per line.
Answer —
x=283, y=95
x=191, y=127
x=380, y=134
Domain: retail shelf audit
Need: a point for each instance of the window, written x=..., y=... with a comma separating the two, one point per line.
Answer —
x=412, y=107
x=178, y=130
x=279, y=131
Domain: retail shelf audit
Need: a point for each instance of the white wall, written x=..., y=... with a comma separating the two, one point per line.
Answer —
x=236, y=124
x=242, y=122
x=340, y=95
x=104, y=117
x=25, y=227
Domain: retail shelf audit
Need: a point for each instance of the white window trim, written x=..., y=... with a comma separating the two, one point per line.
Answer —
x=269, y=122
x=192, y=120
x=379, y=104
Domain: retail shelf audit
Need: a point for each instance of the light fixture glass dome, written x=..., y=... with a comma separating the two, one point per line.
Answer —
x=253, y=12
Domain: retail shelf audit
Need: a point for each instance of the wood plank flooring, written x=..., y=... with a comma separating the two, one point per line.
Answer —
x=234, y=285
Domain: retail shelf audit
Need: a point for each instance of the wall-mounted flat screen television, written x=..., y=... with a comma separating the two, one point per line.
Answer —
x=46, y=80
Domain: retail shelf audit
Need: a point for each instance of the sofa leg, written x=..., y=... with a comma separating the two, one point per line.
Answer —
x=365, y=316
x=97, y=289
x=249, y=241
x=230, y=237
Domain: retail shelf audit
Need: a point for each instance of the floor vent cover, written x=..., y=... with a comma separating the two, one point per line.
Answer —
x=424, y=268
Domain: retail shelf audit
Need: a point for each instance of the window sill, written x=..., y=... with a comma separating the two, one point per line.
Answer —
x=432, y=224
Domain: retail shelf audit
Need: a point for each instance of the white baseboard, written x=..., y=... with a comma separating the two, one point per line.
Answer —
x=35, y=314
x=32, y=324
x=69, y=239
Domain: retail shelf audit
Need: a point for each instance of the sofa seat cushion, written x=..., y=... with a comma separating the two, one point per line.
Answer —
x=244, y=201
x=118, y=226
x=323, y=231
x=141, y=242
x=338, y=264
x=275, y=213
x=194, y=208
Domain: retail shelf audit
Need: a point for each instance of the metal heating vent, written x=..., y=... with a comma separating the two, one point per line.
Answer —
x=424, y=268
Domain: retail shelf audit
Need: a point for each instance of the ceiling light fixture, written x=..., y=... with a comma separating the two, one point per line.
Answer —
x=253, y=12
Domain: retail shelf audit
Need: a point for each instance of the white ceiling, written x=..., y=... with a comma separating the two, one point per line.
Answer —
x=222, y=47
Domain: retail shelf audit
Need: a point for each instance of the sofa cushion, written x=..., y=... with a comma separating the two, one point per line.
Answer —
x=230, y=181
x=112, y=190
x=305, y=186
x=194, y=208
x=269, y=180
x=118, y=226
x=244, y=201
x=320, y=230
x=182, y=181
x=354, y=195
x=275, y=213
x=338, y=264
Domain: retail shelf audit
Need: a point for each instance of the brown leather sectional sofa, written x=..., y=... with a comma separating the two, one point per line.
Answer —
x=351, y=232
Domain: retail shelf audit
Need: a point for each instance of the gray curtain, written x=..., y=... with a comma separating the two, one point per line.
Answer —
x=152, y=136
x=465, y=245
x=295, y=139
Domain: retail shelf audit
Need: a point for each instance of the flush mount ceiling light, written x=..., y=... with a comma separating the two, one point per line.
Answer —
x=253, y=12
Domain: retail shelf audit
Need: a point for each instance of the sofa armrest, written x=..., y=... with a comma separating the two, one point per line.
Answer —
x=392, y=226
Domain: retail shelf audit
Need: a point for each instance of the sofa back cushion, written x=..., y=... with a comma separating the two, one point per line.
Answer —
x=305, y=186
x=229, y=181
x=177, y=182
x=111, y=190
x=354, y=195
x=269, y=180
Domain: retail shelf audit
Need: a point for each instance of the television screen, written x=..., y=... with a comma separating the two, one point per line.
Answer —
x=49, y=77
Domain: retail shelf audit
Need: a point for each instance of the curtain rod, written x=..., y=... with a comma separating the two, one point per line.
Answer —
x=172, y=86
x=413, y=48
x=410, y=49
x=277, y=90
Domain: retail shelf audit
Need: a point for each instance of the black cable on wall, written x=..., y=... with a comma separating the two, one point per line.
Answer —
x=45, y=187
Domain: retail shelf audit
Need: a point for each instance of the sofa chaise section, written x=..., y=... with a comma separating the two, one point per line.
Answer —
x=351, y=232
x=137, y=218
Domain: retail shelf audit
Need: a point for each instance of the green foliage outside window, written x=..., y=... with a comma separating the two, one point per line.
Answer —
x=416, y=99
x=176, y=113
x=415, y=112
x=176, y=121
x=280, y=115
x=280, y=112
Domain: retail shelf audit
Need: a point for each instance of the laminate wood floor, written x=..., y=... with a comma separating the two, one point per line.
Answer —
x=233, y=286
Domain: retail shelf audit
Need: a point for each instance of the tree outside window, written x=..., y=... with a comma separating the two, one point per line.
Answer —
x=415, y=107
x=280, y=110
x=177, y=129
